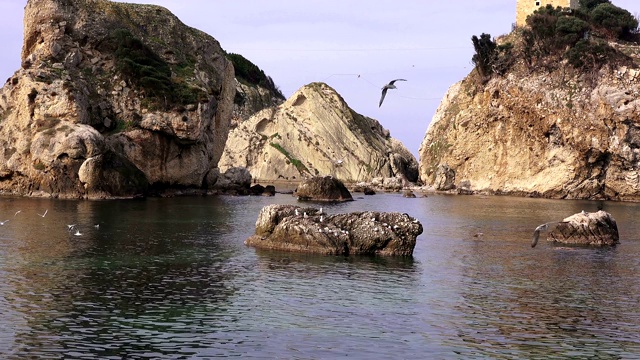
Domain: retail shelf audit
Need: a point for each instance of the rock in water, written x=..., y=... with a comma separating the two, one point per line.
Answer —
x=285, y=227
x=526, y=133
x=81, y=120
x=596, y=229
x=323, y=189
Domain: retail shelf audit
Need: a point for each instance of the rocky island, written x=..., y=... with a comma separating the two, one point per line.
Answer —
x=117, y=100
x=308, y=229
x=551, y=110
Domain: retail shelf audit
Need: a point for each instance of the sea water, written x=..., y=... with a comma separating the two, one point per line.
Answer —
x=170, y=278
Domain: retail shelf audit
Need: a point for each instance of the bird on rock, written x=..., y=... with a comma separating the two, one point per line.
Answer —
x=390, y=85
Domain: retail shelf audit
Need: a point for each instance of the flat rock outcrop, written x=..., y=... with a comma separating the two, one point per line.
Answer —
x=315, y=133
x=547, y=133
x=300, y=229
x=322, y=188
x=112, y=99
x=594, y=229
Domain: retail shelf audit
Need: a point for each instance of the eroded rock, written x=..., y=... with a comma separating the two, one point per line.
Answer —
x=306, y=229
x=72, y=115
x=558, y=133
x=315, y=133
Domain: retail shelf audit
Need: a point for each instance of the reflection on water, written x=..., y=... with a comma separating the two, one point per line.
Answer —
x=171, y=278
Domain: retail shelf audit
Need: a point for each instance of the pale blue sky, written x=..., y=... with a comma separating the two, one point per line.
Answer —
x=299, y=42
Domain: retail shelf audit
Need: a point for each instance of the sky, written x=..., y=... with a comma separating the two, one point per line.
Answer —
x=355, y=46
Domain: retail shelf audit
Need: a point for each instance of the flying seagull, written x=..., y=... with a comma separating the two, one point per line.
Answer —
x=543, y=228
x=3, y=222
x=45, y=213
x=390, y=85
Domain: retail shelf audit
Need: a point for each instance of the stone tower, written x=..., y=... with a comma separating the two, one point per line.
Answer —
x=525, y=8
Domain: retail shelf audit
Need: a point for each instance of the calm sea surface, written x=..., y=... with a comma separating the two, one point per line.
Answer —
x=172, y=279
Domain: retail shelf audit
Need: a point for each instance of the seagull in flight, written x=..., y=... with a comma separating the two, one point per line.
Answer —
x=3, y=222
x=17, y=212
x=543, y=228
x=77, y=233
x=390, y=85
x=45, y=213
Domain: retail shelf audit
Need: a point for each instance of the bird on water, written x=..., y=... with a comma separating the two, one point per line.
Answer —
x=390, y=85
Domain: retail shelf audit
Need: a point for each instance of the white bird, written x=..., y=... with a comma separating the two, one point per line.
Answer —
x=321, y=218
x=304, y=215
x=3, y=222
x=97, y=226
x=77, y=233
x=45, y=213
x=17, y=212
x=390, y=85
x=71, y=227
x=297, y=213
x=543, y=228
x=320, y=212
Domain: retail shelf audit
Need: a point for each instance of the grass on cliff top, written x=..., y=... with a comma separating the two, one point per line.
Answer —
x=248, y=72
x=147, y=71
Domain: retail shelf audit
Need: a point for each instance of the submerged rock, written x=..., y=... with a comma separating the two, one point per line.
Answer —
x=596, y=229
x=325, y=188
x=294, y=228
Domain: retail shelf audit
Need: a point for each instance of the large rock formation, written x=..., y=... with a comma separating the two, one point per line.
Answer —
x=316, y=133
x=557, y=134
x=112, y=98
x=292, y=228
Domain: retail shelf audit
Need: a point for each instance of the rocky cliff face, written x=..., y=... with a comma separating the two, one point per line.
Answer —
x=112, y=98
x=558, y=134
x=250, y=99
x=316, y=133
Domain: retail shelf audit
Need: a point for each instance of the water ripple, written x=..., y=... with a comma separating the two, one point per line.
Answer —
x=171, y=278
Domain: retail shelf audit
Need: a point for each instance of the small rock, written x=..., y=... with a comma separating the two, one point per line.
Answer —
x=408, y=194
x=596, y=229
x=325, y=188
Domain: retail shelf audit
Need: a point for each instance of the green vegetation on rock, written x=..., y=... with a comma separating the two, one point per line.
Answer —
x=578, y=36
x=297, y=163
x=143, y=68
x=248, y=72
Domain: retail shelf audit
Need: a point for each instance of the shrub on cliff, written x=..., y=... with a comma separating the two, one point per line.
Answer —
x=490, y=57
x=559, y=33
x=143, y=68
x=252, y=74
x=589, y=5
x=613, y=21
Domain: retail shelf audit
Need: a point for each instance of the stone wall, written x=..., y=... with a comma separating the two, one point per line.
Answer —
x=525, y=8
